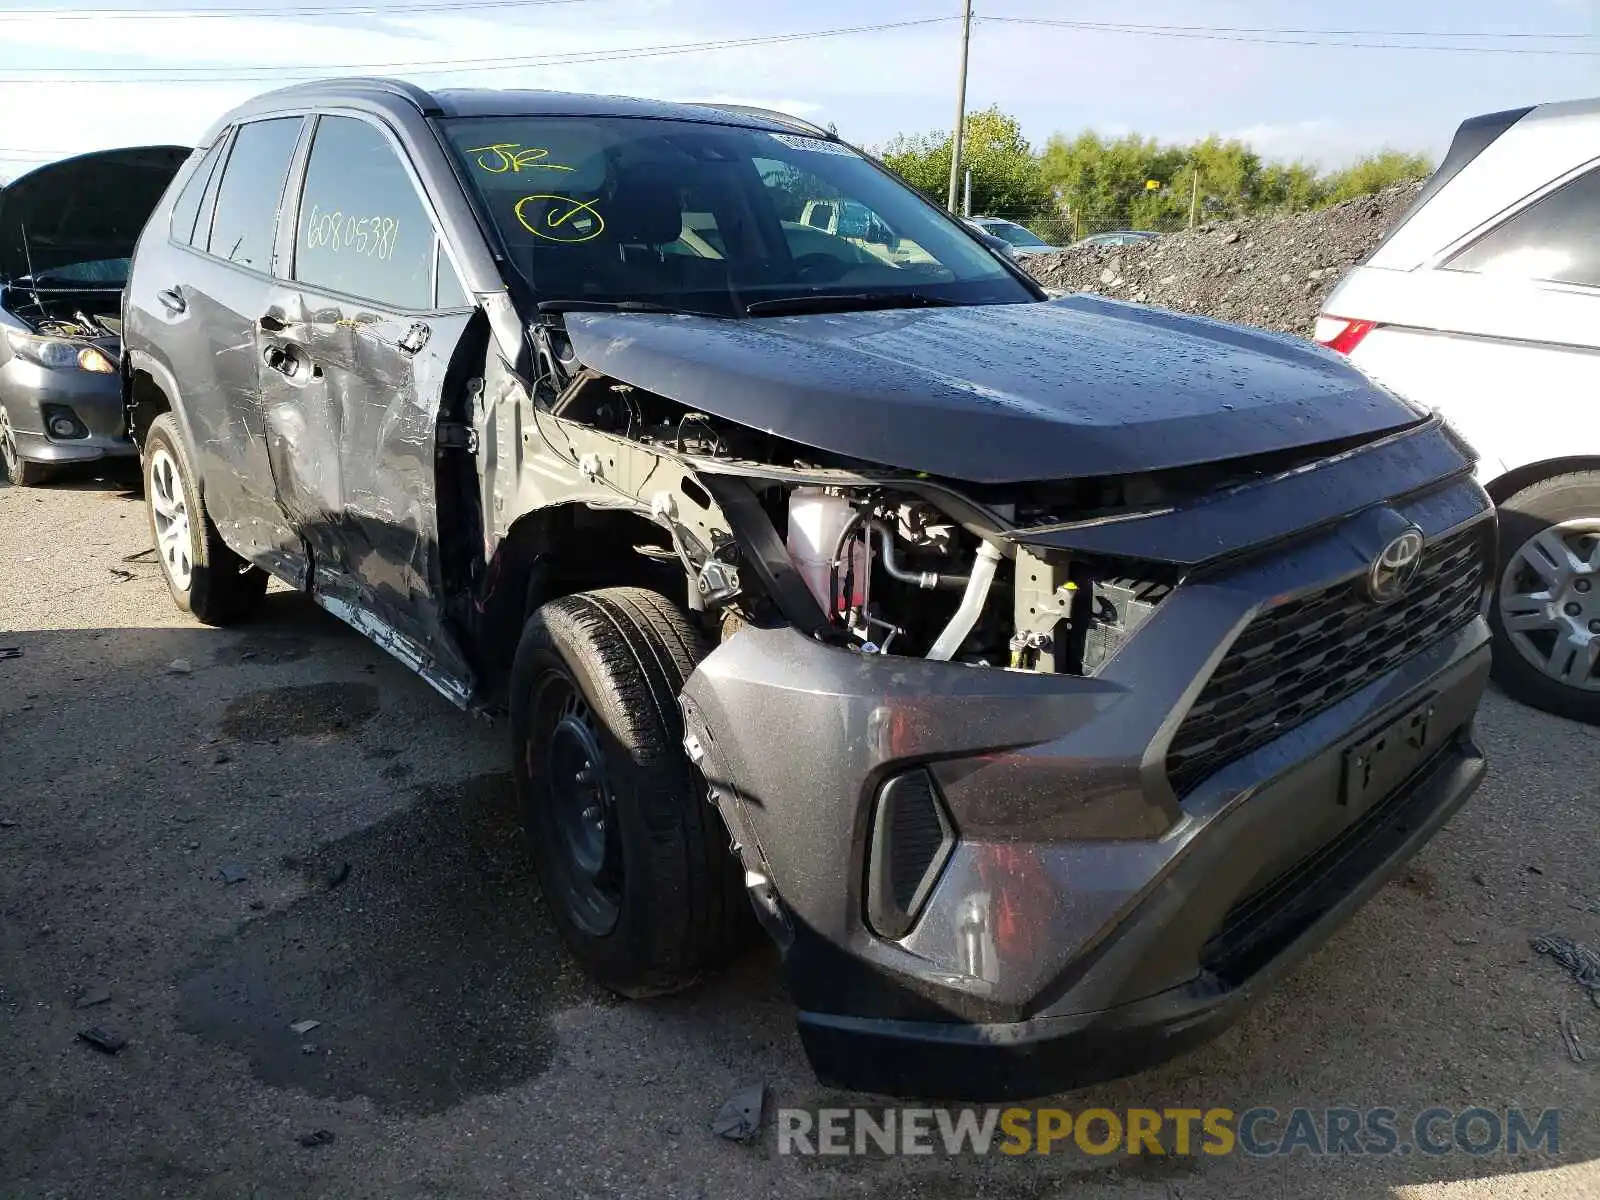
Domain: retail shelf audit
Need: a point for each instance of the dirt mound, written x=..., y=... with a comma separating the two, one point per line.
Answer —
x=1269, y=271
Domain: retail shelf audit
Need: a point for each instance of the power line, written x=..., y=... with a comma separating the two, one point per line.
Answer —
x=1206, y=33
x=267, y=74
x=330, y=10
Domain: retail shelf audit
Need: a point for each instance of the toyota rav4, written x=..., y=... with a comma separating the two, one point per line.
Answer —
x=1045, y=676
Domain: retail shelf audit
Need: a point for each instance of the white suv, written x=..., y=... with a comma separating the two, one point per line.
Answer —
x=1483, y=302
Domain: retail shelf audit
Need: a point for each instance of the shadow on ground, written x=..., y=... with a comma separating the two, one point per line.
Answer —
x=420, y=948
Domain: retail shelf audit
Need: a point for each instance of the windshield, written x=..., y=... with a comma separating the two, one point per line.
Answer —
x=111, y=272
x=1015, y=234
x=713, y=218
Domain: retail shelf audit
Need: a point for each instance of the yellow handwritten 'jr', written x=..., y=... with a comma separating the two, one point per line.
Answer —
x=565, y=220
x=511, y=156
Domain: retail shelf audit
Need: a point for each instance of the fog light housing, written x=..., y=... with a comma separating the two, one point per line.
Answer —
x=62, y=423
x=912, y=839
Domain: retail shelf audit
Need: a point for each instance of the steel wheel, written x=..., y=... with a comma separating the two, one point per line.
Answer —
x=582, y=807
x=1550, y=602
x=174, y=544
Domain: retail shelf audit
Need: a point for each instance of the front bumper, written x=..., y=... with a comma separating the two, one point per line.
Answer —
x=1086, y=922
x=96, y=400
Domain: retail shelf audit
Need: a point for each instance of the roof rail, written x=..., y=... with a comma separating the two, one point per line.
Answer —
x=420, y=97
x=769, y=114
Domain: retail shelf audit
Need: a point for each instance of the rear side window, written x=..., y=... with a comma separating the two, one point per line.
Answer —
x=252, y=185
x=1556, y=239
x=363, y=228
x=187, y=207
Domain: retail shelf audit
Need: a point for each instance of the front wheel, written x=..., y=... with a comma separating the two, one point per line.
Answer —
x=205, y=577
x=19, y=470
x=1546, y=612
x=633, y=860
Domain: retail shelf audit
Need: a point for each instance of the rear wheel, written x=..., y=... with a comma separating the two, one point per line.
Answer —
x=1546, y=614
x=632, y=858
x=21, y=472
x=204, y=576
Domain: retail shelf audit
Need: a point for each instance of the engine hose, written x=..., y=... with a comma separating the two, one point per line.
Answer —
x=921, y=579
x=971, y=607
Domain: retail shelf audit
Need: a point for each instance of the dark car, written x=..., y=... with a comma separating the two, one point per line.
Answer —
x=1046, y=676
x=66, y=233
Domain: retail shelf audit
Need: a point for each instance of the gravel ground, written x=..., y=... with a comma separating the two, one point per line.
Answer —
x=1266, y=271
x=382, y=889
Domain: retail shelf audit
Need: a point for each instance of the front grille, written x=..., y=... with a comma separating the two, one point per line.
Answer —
x=1302, y=657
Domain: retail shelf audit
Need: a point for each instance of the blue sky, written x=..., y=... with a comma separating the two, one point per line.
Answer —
x=1322, y=103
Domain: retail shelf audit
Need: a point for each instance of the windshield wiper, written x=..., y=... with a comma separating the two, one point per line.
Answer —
x=611, y=306
x=845, y=303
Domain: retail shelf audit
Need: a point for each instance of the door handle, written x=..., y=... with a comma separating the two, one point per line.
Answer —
x=172, y=300
x=280, y=360
x=415, y=339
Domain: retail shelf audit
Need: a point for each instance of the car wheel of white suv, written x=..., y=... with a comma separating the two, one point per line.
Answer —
x=1546, y=611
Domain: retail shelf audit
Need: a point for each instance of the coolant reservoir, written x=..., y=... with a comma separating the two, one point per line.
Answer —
x=816, y=519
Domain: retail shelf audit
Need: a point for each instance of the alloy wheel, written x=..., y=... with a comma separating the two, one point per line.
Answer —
x=8, y=447
x=1550, y=602
x=167, y=504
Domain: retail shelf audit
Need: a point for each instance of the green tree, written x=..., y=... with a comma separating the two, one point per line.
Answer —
x=1374, y=173
x=1290, y=187
x=1005, y=171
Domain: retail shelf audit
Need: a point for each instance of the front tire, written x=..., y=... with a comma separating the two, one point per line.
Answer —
x=205, y=577
x=1546, y=611
x=19, y=470
x=632, y=858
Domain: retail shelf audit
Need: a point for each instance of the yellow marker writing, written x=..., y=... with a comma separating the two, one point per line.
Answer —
x=573, y=220
x=510, y=156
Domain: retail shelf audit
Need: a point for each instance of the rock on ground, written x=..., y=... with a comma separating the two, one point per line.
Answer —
x=1270, y=271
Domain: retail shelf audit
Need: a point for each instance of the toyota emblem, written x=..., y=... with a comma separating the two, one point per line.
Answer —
x=1395, y=568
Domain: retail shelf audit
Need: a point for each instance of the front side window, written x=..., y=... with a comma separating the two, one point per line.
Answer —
x=1555, y=239
x=187, y=207
x=713, y=218
x=363, y=229
x=246, y=218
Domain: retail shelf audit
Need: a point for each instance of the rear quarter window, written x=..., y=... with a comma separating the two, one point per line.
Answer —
x=186, y=209
x=1556, y=239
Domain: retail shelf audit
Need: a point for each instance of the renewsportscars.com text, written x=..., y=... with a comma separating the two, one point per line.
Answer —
x=1254, y=1132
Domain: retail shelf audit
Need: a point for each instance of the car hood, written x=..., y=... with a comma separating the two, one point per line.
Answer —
x=82, y=209
x=1005, y=393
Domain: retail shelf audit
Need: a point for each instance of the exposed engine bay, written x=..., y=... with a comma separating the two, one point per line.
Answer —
x=90, y=313
x=895, y=563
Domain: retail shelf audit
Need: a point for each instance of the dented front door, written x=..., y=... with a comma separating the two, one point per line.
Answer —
x=353, y=363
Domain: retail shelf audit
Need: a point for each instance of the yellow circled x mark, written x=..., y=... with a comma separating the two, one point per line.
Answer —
x=562, y=211
x=510, y=156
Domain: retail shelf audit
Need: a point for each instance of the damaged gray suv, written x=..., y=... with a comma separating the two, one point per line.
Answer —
x=1045, y=677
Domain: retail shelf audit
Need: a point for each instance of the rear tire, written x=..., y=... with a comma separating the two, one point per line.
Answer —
x=633, y=859
x=205, y=577
x=1546, y=610
x=19, y=470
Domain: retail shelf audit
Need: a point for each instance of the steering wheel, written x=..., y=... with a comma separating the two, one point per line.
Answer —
x=819, y=268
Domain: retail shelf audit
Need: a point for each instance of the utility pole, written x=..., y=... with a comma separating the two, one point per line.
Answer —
x=1194, y=197
x=961, y=110
x=966, y=199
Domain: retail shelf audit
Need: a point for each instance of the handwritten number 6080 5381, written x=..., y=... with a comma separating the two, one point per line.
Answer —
x=374, y=236
x=564, y=219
